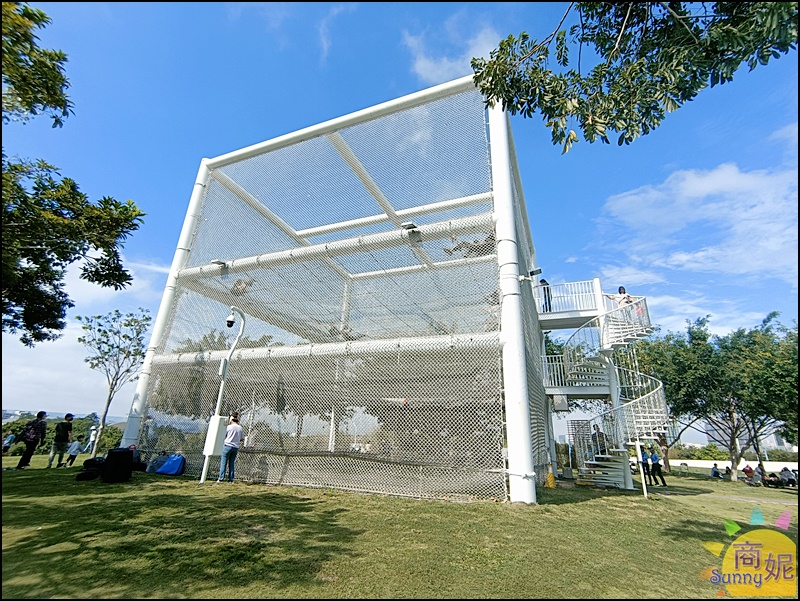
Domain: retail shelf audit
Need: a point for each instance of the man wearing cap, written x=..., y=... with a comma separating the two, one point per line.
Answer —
x=61, y=441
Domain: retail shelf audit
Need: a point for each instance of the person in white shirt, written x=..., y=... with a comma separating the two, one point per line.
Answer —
x=92, y=439
x=622, y=299
x=233, y=438
x=73, y=451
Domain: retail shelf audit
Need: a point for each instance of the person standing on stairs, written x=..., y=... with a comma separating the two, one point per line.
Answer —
x=600, y=441
x=622, y=299
x=547, y=295
x=655, y=459
x=646, y=466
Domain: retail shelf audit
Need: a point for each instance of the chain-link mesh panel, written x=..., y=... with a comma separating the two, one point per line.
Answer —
x=365, y=262
x=421, y=421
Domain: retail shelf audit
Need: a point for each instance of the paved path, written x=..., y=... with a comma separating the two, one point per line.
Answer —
x=787, y=501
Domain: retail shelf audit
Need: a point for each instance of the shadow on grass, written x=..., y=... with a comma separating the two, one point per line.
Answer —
x=155, y=537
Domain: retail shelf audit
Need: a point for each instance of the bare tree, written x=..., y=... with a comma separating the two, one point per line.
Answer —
x=117, y=348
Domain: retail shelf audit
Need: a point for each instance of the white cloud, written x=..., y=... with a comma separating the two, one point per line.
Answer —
x=629, y=277
x=433, y=65
x=723, y=220
x=52, y=376
x=273, y=14
x=145, y=290
x=324, y=26
x=787, y=136
x=724, y=315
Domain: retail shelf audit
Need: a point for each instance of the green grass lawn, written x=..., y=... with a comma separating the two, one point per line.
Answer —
x=161, y=537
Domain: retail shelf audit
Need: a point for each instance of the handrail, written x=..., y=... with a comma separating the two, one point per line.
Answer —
x=555, y=374
x=643, y=412
x=569, y=296
x=613, y=329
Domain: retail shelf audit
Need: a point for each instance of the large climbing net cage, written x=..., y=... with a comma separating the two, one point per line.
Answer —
x=367, y=256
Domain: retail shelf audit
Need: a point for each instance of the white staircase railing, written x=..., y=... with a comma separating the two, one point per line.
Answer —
x=601, y=443
x=566, y=297
x=607, y=332
x=556, y=376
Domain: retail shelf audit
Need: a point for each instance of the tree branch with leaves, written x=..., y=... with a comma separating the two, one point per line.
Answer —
x=649, y=59
x=48, y=223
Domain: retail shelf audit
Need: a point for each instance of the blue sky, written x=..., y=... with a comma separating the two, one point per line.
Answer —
x=700, y=216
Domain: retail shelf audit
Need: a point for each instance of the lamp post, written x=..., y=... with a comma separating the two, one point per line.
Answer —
x=214, y=425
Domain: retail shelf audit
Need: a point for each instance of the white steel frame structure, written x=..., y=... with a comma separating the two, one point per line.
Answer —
x=393, y=342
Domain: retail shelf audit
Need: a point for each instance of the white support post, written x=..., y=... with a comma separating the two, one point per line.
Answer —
x=216, y=422
x=641, y=466
x=551, y=438
x=522, y=481
x=139, y=404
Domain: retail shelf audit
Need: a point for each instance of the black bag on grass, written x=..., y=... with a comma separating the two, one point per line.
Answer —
x=90, y=473
x=156, y=462
x=118, y=465
x=94, y=463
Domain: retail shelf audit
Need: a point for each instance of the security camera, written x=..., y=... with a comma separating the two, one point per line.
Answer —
x=229, y=321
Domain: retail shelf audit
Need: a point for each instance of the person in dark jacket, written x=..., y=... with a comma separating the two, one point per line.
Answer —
x=61, y=441
x=38, y=427
x=655, y=469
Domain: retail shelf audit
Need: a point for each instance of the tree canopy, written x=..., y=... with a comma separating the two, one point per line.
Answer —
x=117, y=349
x=34, y=80
x=48, y=223
x=743, y=384
x=636, y=62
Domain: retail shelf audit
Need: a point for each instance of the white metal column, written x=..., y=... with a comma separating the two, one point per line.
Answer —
x=522, y=480
x=139, y=404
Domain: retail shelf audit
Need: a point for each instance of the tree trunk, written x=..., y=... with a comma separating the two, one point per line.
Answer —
x=109, y=398
x=735, y=458
x=664, y=452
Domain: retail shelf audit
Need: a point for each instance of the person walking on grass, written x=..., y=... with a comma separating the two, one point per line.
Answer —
x=73, y=451
x=233, y=437
x=61, y=441
x=646, y=466
x=655, y=459
x=8, y=441
x=33, y=436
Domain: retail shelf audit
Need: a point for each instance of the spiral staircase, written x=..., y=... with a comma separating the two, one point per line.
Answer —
x=599, y=362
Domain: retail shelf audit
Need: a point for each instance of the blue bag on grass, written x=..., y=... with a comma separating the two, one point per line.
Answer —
x=175, y=465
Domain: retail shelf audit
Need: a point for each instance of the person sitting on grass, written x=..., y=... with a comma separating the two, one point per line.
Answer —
x=788, y=477
x=715, y=473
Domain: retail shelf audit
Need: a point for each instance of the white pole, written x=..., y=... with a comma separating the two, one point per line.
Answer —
x=131, y=434
x=522, y=483
x=641, y=466
x=223, y=371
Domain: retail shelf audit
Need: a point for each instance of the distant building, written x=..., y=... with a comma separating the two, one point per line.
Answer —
x=767, y=443
x=12, y=415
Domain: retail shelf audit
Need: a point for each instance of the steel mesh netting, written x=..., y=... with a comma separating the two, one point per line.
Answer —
x=370, y=359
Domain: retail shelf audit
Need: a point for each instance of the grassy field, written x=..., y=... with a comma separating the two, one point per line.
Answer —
x=161, y=537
